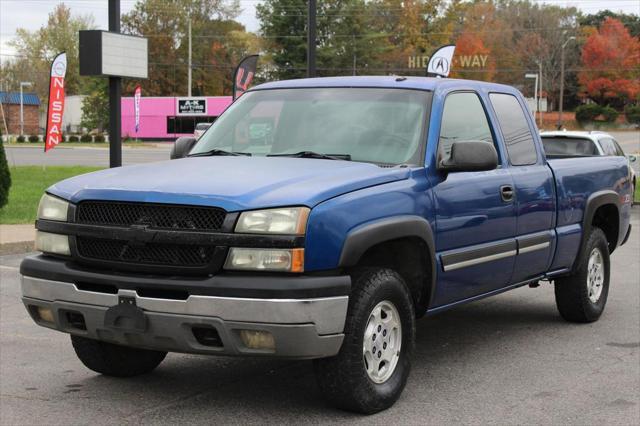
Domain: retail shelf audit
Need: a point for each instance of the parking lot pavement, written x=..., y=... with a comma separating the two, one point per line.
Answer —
x=83, y=156
x=504, y=360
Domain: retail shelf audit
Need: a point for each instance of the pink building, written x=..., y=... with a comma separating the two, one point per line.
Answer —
x=170, y=117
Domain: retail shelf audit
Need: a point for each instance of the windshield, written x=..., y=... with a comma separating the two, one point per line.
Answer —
x=384, y=126
x=568, y=146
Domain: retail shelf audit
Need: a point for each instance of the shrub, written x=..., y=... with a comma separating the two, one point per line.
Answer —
x=5, y=177
x=98, y=138
x=609, y=114
x=86, y=138
x=21, y=139
x=72, y=138
x=633, y=113
x=34, y=138
x=588, y=113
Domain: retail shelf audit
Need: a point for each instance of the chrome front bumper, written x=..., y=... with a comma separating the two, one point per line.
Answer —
x=302, y=328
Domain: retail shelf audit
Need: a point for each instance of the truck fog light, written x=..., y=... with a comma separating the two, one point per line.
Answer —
x=257, y=339
x=284, y=260
x=52, y=243
x=45, y=314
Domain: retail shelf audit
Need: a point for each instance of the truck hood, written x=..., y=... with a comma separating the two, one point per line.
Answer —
x=232, y=183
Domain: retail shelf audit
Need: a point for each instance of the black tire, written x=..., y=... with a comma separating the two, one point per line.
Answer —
x=343, y=379
x=115, y=360
x=572, y=291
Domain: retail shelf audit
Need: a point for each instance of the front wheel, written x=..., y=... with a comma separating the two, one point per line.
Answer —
x=371, y=369
x=115, y=360
x=582, y=296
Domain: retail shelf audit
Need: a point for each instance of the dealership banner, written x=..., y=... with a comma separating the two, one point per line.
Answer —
x=242, y=78
x=55, y=108
x=441, y=61
x=137, y=94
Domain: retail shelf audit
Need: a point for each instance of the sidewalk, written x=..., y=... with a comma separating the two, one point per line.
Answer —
x=16, y=238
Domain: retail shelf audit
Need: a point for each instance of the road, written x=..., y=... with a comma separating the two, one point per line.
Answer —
x=505, y=360
x=90, y=156
x=83, y=156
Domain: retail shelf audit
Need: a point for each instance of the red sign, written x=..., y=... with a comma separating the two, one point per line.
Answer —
x=243, y=76
x=53, y=135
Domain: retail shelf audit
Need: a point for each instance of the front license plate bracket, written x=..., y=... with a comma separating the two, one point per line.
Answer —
x=126, y=316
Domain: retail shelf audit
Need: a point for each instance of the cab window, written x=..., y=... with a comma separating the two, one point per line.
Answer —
x=463, y=119
x=515, y=129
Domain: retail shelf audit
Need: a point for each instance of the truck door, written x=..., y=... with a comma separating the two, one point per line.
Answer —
x=475, y=213
x=534, y=188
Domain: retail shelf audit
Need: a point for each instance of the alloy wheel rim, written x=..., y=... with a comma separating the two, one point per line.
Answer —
x=382, y=342
x=595, y=275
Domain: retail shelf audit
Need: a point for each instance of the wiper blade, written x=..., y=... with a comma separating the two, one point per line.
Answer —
x=214, y=152
x=312, y=154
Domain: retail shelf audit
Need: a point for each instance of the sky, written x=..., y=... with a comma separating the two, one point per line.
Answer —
x=32, y=14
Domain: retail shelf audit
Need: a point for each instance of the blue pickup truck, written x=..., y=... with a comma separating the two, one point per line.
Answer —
x=318, y=219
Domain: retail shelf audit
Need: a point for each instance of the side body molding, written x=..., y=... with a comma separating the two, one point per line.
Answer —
x=596, y=200
x=365, y=236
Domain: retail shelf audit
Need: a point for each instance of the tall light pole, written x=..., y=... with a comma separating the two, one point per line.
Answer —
x=535, y=92
x=189, y=69
x=115, y=94
x=311, y=39
x=561, y=101
x=22, y=84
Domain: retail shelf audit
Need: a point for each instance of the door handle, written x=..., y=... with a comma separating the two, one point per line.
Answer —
x=506, y=192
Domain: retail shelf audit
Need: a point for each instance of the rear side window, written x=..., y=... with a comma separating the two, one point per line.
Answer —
x=610, y=147
x=556, y=145
x=515, y=129
x=463, y=119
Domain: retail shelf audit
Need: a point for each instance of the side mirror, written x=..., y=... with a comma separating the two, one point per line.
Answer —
x=632, y=158
x=469, y=156
x=182, y=146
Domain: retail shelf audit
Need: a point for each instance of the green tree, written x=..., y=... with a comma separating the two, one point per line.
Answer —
x=95, y=106
x=165, y=24
x=630, y=21
x=5, y=177
x=283, y=24
x=36, y=49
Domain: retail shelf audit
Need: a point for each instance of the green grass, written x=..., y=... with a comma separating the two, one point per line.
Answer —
x=28, y=185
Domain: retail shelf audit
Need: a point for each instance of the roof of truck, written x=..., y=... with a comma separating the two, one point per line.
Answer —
x=392, y=81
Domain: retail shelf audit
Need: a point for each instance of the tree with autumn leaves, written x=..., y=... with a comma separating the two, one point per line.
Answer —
x=611, y=65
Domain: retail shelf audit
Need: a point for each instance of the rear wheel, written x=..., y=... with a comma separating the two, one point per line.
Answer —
x=371, y=370
x=582, y=296
x=115, y=360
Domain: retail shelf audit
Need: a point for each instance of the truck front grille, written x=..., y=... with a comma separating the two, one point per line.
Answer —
x=177, y=255
x=157, y=216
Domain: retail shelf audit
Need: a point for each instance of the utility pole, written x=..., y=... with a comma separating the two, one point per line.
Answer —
x=540, y=95
x=311, y=39
x=189, y=70
x=22, y=84
x=561, y=101
x=115, y=94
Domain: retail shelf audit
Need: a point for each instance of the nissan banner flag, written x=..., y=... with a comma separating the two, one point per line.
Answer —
x=243, y=76
x=441, y=61
x=55, y=108
x=136, y=106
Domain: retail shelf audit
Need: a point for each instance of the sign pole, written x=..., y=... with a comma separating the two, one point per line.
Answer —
x=115, y=94
x=311, y=39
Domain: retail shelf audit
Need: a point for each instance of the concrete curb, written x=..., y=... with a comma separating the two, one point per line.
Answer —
x=19, y=247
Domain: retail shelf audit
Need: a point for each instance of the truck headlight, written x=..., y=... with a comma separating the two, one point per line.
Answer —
x=52, y=243
x=52, y=208
x=291, y=221
x=276, y=260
